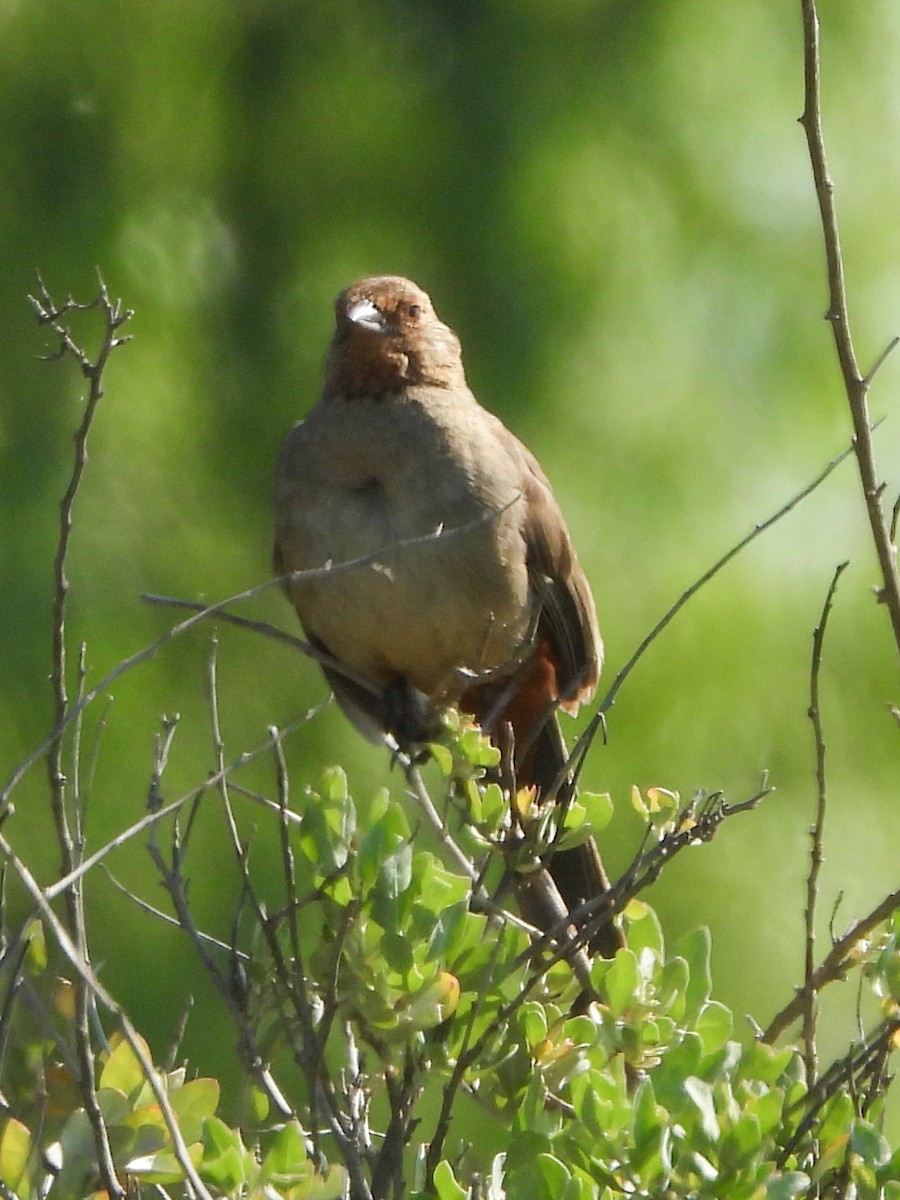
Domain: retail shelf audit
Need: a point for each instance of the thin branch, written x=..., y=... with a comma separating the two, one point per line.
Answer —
x=834, y=966
x=856, y=384
x=864, y=1061
x=817, y=832
x=167, y=918
x=230, y=987
x=71, y=846
x=218, y=610
x=482, y=899
x=610, y=698
x=158, y=814
x=121, y=668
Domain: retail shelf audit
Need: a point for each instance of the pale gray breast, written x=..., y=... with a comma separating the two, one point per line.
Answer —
x=406, y=482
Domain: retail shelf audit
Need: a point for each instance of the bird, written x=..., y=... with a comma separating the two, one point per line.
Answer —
x=429, y=562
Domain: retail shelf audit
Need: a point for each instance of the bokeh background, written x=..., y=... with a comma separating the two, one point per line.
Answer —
x=611, y=203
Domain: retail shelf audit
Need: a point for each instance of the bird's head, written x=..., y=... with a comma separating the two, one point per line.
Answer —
x=388, y=337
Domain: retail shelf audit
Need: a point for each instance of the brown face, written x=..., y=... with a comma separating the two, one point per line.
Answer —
x=388, y=306
x=389, y=337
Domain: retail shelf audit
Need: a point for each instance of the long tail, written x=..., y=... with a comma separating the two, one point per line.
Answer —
x=578, y=873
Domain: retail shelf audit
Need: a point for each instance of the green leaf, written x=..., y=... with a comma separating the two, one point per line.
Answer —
x=742, y=1143
x=397, y=952
x=389, y=898
x=445, y=1184
x=701, y=1094
x=78, y=1153
x=593, y=1113
x=644, y=929
x=286, y=1162
x=598, y=808
x=694, y=948
x=533, y=1023
x=868, y=1143
x=575, y=830
x=163, y=1167
x=620, y=982
x=114, y=1105
x=787, y=1186
x=765, y=1063
x=438, y=887
x=672, y=987
x=714, y=1025
x=442, y=756
x=333, y=785
x=258, y=1103
x=477, y=749
x=15, y=1149
x=554, y=1173
x=33, y=936
x=192, y=1104
x=767, y=1109
x=122, y=1071
x=226, y=1162
x=434, y=1003
x=448, y=932
x=326, y=830
x=646, y=1115
x=493, y=806
x=581, y=1030
x=679, y=1062
x=395, y=875
x=637, y=803
x=387, y=831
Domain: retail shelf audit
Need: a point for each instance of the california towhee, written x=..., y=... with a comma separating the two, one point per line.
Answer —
x=469, y=591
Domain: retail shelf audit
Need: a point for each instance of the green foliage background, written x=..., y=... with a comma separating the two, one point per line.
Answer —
x=611, y=203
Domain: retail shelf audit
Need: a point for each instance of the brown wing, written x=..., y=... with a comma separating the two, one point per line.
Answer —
x=568, y=617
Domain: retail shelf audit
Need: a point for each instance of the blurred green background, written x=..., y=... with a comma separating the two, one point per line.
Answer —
x=611, y=203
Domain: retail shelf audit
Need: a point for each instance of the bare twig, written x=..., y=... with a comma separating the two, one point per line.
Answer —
x=166, y=918
x=158, y=814
x=834, y=965
x=698, y=822
x=229, y=986
x=856, y=384
x=817, y=831
x=120, y=669
x=71, y=845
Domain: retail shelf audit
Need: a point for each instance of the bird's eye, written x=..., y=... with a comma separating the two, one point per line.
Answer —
x=414, y=311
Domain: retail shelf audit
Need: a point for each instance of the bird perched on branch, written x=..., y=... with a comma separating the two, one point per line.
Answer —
x=439, y=567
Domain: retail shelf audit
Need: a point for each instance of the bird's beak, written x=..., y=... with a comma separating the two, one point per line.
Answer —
x=367, y=316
